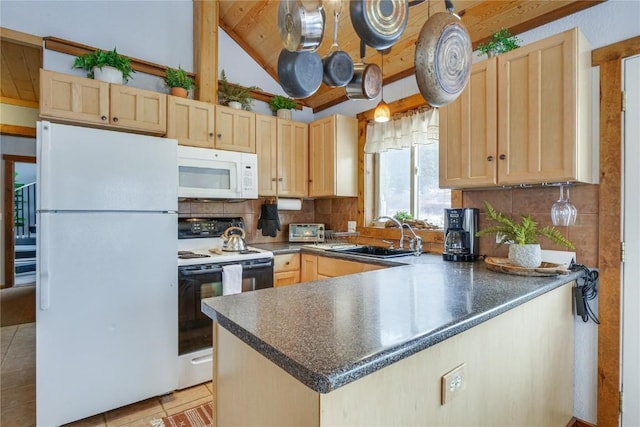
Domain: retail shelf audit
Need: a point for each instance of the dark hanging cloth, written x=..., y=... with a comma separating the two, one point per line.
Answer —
x=269, y=221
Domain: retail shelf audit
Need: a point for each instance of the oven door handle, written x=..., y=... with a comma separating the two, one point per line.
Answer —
x=200, y=272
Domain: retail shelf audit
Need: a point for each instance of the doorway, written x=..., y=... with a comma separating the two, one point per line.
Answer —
x=19, y=220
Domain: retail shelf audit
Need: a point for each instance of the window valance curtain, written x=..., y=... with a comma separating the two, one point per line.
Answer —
x=419, y=127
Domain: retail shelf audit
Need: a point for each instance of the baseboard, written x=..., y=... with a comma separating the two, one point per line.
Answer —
x=576, y=422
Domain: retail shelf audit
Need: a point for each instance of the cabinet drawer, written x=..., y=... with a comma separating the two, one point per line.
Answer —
x=332, y=267
x=287, y=262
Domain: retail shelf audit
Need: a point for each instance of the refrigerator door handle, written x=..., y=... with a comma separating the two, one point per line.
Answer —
x=43, y=262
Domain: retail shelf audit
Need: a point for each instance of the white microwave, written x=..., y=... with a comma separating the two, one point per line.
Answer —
x=205, y=173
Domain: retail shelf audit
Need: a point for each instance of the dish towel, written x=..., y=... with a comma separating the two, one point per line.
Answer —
x=231, y=279
x=269, y=221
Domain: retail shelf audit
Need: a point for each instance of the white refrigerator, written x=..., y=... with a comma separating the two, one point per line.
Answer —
x=106, y=287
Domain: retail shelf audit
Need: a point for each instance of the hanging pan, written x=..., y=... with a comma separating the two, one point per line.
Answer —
x=338, y=65
x=300, y=73
x=367, y=79
x=301, y=25
x=380, y=23
x=443, y=57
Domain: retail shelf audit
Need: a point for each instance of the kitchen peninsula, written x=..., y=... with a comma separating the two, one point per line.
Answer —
x=377, y=348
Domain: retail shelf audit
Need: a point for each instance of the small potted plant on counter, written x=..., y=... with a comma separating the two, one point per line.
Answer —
x=179, y=82
x=501, y=41
x=107, y=66
x=282, y=106
x=524, y=250
x=233, y=95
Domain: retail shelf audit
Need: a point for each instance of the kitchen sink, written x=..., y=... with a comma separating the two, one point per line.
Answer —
x=374, y=251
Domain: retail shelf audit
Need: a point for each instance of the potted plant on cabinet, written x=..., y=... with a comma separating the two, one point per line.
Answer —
x=233, y=95
x=501, y=41
x=282, y=106
x=107, y=66
x=179, y=82
x=524, y=250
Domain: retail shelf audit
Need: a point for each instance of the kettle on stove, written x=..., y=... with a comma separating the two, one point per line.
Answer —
x=234, y=241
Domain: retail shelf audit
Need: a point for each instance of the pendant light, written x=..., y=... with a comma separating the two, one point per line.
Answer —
x=382, y=113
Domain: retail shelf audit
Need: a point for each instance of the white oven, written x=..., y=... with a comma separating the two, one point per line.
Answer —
x=205, y=173
x=201, y=262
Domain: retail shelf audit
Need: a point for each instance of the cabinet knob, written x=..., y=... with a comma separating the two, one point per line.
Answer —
x=280, y=179
x=273, y=179
x=490, y=158
x=287, y=263
x=115, y=120
x=211, y=134
x=503, y=156
x=219, y=135
x=103, y=118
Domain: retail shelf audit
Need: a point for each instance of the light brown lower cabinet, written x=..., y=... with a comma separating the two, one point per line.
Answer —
x=286, y=269
x=316, y=267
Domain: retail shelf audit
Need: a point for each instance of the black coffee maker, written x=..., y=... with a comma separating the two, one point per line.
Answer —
x=460, y=241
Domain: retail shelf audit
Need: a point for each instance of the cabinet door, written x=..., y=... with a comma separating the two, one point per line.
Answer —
x=469, y=132
x=72, y=98
x=138, y=109
x=266, y=148
x=333, y=157
x=292, y=158
x=537, y=111
x=309, y=268
x=190, y=122
x=322, y=159
x=285, y=278
x=235, y=129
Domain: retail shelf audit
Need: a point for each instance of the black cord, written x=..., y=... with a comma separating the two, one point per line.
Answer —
x=587, y=285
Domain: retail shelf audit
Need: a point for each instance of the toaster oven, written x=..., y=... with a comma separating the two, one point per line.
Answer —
x=306, y=233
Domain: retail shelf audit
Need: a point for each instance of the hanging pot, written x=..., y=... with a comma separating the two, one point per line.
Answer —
x=367, y=79
x=380, y=23
x=300, y=73
x=233, y=240
x=338, y=65
x=301, y=26
x=443, y=58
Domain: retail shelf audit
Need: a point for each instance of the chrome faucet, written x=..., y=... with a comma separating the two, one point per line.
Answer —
x=398, y=223
x=415, y=244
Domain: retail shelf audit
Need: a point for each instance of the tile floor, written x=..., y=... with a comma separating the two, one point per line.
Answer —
x=18, y=389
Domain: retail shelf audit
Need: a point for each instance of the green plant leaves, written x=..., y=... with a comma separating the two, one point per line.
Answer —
x=178, y=78
x=525, y=232
x=101, y=58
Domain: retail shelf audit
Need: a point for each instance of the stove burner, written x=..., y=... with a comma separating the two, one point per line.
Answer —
x=189, y=255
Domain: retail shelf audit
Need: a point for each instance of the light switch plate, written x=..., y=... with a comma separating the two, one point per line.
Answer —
x=453, y=383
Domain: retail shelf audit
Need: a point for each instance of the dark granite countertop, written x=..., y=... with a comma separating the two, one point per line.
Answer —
x=331, y=332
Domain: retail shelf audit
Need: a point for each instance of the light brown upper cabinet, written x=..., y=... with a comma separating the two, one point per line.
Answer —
x=267, y=150
x=73, y=99
x=235, y=129
x=543, y=121
x=469, y=131
x=333, y=157
x=191, y=122
x=282, y=147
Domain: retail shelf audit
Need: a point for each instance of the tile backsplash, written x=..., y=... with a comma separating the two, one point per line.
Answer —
x=537, y=202
x=336, y=212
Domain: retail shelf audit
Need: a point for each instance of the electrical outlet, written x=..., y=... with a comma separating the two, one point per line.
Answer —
x=453, y=383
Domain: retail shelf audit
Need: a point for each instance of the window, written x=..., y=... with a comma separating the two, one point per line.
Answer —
x=406, y=166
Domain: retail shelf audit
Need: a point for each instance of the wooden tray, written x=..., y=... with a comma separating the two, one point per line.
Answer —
x=502, y=265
